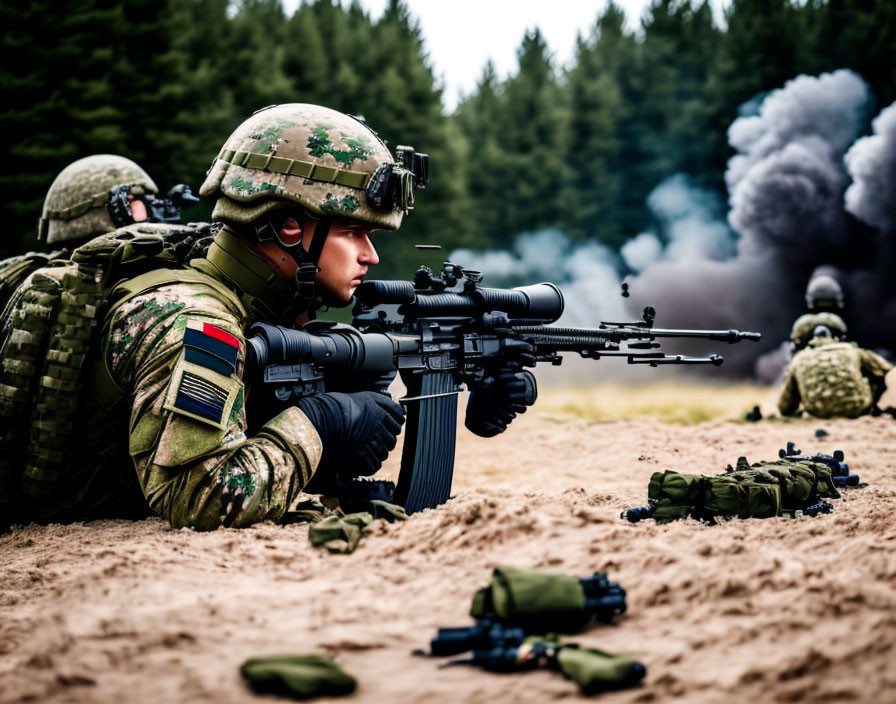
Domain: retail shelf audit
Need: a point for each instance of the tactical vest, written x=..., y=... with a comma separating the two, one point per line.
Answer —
x=15, y=270
x=48, y=346
x=761, y=490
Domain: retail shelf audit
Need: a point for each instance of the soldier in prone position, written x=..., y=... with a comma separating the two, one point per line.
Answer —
x=299, y=189
x=829, y=377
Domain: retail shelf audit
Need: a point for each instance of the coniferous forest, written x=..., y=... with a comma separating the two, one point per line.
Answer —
x=576, y=147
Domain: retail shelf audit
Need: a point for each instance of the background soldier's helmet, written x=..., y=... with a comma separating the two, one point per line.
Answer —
x=824, y=293
x=328, y=162
x=804, y=327
x=75, y=206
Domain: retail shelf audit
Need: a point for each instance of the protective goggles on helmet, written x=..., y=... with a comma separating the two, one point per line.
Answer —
x=392, y=185
x=130, y=204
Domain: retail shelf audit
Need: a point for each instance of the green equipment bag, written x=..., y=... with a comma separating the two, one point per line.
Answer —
x=799, y=484
x=596, y=670
x=761, y=490
x=531, y=598
x=676, y=495
x=48, y=329
x=297, y=676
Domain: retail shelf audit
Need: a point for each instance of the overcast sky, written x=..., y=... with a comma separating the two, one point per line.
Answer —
x=461, y=35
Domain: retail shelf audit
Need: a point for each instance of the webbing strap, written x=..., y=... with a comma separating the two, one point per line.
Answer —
x=98, y=200
x=294, y=167
x=78, y=209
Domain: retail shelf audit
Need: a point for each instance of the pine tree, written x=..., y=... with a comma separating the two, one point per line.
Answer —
x=621, y=56
x=590, y=199
x=680, y=47
x=59, y=105
x=532, y=168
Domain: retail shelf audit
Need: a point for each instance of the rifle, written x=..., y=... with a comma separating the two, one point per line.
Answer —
x=498, y=648
x=839, y=469
x=158, y=209
x=641, y=513
x=440, y=333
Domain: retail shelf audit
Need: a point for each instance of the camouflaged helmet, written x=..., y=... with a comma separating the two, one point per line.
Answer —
x=330, y=163
x=805, y=325
x=824, y=293
x=75, y=206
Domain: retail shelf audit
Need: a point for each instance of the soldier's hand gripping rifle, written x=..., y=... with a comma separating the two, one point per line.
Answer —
x=441, y=333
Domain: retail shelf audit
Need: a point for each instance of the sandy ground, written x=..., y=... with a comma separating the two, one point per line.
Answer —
x=763, y=611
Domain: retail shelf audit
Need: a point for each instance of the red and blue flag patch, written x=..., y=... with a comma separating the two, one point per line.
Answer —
x=211, y=347
x=204, y=385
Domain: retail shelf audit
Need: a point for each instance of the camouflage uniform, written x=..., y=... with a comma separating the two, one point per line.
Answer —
x=187, y=429
x=831, y=378
x=167, y=387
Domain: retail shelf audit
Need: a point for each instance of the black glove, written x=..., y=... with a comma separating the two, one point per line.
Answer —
x=491, y=409
x=358, y=431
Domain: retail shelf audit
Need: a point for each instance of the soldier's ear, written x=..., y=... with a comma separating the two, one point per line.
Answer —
x=290, y=233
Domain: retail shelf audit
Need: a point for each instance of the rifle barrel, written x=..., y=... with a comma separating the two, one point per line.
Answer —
x=616, y=333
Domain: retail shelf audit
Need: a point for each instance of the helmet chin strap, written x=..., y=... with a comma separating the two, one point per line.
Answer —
x=308, y=294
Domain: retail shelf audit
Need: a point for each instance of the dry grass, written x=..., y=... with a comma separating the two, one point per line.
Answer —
x=683, y=403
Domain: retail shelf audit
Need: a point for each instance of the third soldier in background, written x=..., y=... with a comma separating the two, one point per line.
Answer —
x=827, y=376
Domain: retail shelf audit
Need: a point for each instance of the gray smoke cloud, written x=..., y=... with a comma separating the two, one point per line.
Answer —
x=787, y=214
x=831, y=107
x=871, y=163
x=641, y=251
x=688, y=219
x=786, y=185
x=588, y=274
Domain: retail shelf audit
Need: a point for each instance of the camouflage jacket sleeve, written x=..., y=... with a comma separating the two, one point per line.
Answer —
x=873, y=365
x=181, y=356
x=789, y=401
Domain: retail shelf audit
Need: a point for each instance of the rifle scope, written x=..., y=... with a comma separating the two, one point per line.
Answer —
x=340, y=346
x=539, y=302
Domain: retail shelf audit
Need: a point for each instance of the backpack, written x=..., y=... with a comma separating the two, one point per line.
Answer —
x=761, y=490
x=15, y=270
x=48, y=330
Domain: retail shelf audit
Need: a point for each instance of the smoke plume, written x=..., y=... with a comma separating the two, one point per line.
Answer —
x=786, y=185
x=791, y=209
x=871, y=163
x=587, y=274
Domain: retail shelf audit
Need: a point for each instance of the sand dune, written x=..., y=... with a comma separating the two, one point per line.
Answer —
x=765, y=611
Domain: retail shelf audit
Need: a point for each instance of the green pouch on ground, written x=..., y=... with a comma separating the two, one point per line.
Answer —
x=525, y=596
x=387, y=511
x=297, y=676
x=676, y=494
x=595, y=670
x=724, y=496
x=339, y=533
x=763, y=500
x=305, y=510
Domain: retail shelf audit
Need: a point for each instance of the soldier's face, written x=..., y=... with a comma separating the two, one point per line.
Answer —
x=138, y=209
x=344, y=261
x=347, y=254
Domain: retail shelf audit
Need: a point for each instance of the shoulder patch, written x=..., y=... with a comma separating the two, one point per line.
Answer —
x=201, y=393
x=209, y=346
